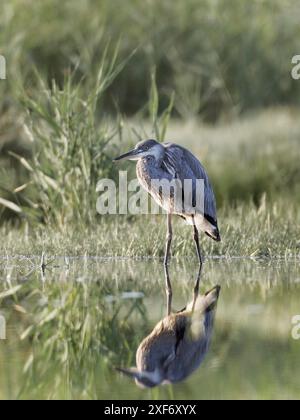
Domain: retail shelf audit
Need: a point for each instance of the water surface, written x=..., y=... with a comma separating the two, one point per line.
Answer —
x=67, y=327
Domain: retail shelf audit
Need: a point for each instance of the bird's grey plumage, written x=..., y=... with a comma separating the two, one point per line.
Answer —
x=187, y=166
x=177, y=345
x=169, y=163
x=174, y=162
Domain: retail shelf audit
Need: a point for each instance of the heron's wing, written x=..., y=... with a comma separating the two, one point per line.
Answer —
x=184, y=165
x=189, y=352
x=159, y=348
x=180, y=330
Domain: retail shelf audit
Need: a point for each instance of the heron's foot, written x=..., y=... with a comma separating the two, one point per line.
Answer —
x=167, y=263
x=181, y=310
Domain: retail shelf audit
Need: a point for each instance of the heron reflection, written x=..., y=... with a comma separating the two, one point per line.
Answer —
x=177, y=345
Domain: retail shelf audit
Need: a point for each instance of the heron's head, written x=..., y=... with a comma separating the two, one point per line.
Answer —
x=143, y=149
x=211, y=298
x=143, y=379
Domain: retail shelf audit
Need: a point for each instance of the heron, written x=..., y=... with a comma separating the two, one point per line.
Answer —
x=177, y=345
x=175, y=164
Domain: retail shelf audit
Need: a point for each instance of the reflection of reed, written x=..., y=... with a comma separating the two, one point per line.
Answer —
x=178, y=343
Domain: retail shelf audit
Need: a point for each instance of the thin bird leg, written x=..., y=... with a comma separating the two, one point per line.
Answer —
x=169, y=240
x=196, y=288
x=166, y=261
x=196, y=239
x=168, y=290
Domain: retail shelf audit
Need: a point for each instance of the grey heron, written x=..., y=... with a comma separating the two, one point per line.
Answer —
x=177, y=345
x=170, y=162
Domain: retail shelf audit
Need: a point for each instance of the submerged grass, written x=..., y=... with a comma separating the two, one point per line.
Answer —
x=68, y=328
x=59, y=329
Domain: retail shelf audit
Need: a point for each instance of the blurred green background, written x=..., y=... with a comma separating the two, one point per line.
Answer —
x=85, y=75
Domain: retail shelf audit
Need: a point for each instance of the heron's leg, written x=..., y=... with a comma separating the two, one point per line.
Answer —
x=169, y=240
x=197, y=284
x=196, y=287
x=168, y=290
x=166, y=261
x=196, y=239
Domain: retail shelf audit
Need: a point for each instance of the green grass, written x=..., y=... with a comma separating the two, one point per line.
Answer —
x=72, y=142
x=95, y=81
x=268, y=231
x=253, y=164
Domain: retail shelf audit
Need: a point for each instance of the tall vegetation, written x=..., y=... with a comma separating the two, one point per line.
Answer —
x=68, y=91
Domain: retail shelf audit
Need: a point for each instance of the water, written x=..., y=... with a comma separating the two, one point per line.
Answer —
x=69, y=327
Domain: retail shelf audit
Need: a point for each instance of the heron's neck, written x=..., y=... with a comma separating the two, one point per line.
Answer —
x=154, y=161
x=159, y=157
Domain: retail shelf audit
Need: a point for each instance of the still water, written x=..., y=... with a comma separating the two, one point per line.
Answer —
x=70, y=326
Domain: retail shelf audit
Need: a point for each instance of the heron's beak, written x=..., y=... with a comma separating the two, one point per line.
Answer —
x=142, y=379
x=131, y=372
x=215, y=291
x=132, y=155
x=212, y=297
